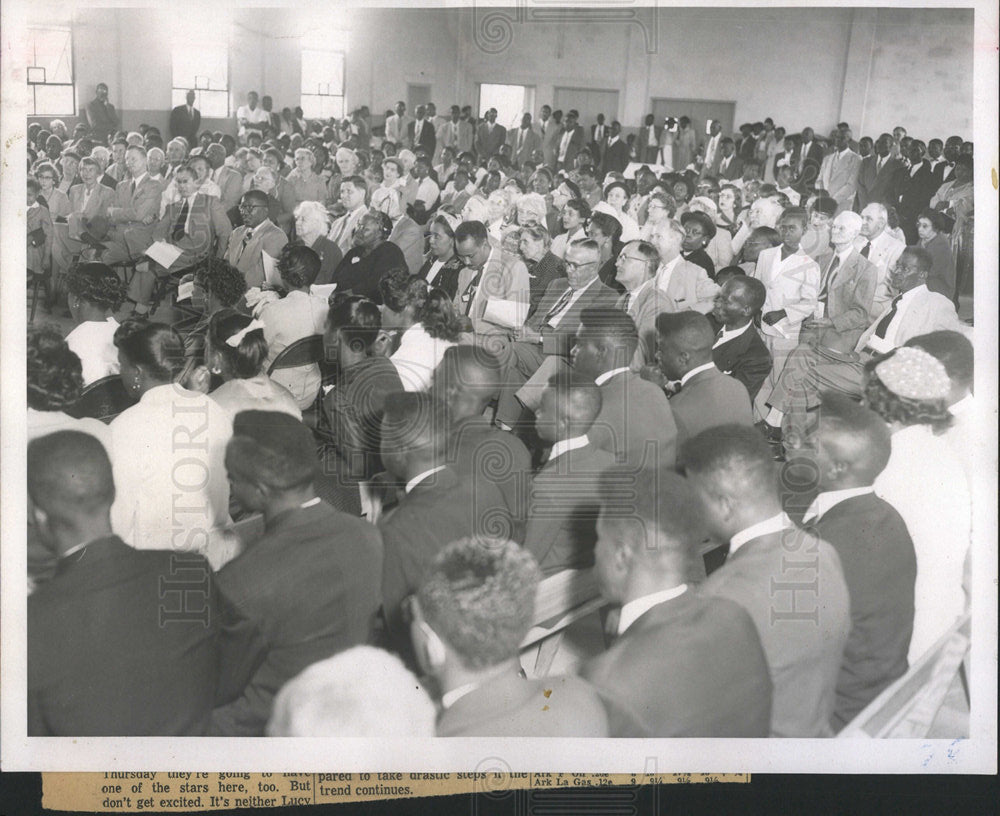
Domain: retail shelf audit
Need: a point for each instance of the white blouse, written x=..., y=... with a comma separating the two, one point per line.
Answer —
x=93, y=341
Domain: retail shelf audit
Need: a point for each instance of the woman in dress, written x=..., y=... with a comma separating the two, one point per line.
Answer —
x=307, y=185
x=616, y=196
x=95, y=294
x=312, y=222
x=955, y=199
x=930, y=232
x=441, y=265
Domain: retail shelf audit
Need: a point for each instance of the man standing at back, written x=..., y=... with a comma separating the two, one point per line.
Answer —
x=101, y=115
x=185, y=120
x=839, y=172
x=789, y=581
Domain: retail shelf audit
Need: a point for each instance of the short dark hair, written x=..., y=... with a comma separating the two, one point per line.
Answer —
x=611, y=324
x=476, y=230
x=738, y=451
x=154, y=346
x=274, y=448
x=578, y=397
x=872, y=440
x=54, y=373
x=609, y=226
x=412, y=421
x=97, y=284
x=356, y=318
x=298, y=265
x=220, y=278
x=580, y=206
x=69, y=475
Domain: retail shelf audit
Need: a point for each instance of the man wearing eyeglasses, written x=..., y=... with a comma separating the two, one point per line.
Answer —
x=551, y=328
x=257, y=242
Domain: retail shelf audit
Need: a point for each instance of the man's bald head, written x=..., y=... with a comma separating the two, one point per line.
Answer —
x=70, y=479
x=750, y=292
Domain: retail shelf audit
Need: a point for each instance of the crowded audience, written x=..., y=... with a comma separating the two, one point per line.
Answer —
x=375, y=385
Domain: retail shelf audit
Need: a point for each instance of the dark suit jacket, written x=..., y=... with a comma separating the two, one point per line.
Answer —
x=108, y=656
x=541, y=274
x=850, y=299
x=596, y=295
x=426, y=139
x=511, y=706
x=636, y=423
x=914, y=191
x=876, y=185
x=808, y=164
x=792, y=585
x=207, y=227
x=311, y=583
x=562, y=513
x=439, y=510
x=880, y=567
x=361, y=274
x=446, y=277
x=530, y=144
x=733, y=171
x=575, y=146
x=692, y=666
x=183, y=124
x=746, y=359
x=488, y=143
x=616, y=157
x=708, y=399
x=942, y=277
x=329, y=256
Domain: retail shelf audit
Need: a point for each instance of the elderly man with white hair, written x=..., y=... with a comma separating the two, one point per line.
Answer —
x=531, y=210
x=176, y=153
x=326, y=699
x=878, y=246
x=406, y=233
x=155, y=163
x=764, y=212
x=847, y=289
x=312, y=221
x=686, y=284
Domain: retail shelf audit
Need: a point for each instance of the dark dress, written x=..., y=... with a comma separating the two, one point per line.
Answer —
x=360, y=274
x=700, y=257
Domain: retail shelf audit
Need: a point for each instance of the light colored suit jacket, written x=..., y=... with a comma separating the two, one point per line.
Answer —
x=643, y=309
x=505, y=277
x=136, y=208
x=206, y=221
x=850, y=299
x=927, y=312
x=409, y=237
x=342, y=229
x=708, y=399
x=231, y=184
x=884, y=252
x=267, y=238
x=636, y=424
x=100, y=200
x=688, y=287
x=530, y=143
x=838, y=175
x=792, y=285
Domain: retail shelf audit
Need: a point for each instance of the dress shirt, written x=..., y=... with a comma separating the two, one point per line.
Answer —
x=890, y=341
x=665, y=271
x=827, y=500
x=711, y=148
x=421, y=477
x=577, y=294
x=435, y=268
x=428, y=192
x=607, y=375
x=93, y=341
x=633, y=296
x=725, y=335
x=633, y=610
x=566, y=445
x=417, y=357
x=695, y=371
x=651, y=140
x=775, y=524
x=449, y=698
x=564, y=144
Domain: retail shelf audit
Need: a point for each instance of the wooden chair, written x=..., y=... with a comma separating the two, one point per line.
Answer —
x=103, y=399
x=907, y=708
x=36, y=280
x=560, y=600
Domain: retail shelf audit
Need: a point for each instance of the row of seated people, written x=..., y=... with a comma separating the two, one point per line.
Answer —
x=805, y=681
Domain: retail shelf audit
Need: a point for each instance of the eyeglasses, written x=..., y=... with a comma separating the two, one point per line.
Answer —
x=572, y=265
x=247, y=207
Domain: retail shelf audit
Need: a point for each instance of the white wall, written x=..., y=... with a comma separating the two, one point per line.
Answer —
x=874, y=67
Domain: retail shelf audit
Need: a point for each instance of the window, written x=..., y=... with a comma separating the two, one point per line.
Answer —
x=511, y=102
x=203, y=68
x=323, y=84
x=50, y=72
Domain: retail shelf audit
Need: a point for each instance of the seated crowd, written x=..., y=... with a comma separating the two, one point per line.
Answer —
x=374, y=387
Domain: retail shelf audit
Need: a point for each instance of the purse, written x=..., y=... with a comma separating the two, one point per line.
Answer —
x=36, y=237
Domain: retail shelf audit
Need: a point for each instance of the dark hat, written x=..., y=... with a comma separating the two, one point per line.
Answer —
x=825, y=205
x=706, y=223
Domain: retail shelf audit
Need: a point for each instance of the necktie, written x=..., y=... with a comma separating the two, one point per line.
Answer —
x=470, y=292
x=825, y=288
x=883, y=324
x=520, y=139
x=243, y=246
x=560, y=305
x=628, y=301
x=131, y=188
x=866, y=249
x=178, y=231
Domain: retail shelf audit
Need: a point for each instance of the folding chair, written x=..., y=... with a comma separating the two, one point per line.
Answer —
x=103, y=399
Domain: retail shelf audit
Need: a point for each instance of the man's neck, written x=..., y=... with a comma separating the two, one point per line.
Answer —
x=583, y=285
x=289, y=500
x=453, y=675
x=739, y=323
x=840, y=249
x=84, y=532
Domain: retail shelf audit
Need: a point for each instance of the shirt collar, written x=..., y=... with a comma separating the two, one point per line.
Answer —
x=694, y=371
x=775, y=524
x=449, y=698
x=728, y=334
x=634, y=610
x=829, y=499
x=566, y=445
x=138, y=179
x=635, y=293
x=607, y=375
x=421, y=477
x=966, y=405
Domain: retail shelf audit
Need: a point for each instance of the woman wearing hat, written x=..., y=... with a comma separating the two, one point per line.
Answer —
x=720, y=245
x=616, y=196
x=699, y=230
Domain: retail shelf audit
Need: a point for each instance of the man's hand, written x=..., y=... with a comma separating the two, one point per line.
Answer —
x=773, y=317
x=654, y=375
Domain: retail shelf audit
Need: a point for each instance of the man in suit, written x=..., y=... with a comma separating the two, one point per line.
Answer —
x=570, y=142
x=550, y=129
x=524, y=142
x=616, y=154
x=738, y=350
x=952, y=150
x=353, y=194
x=877, y=174
x=789, y=581
x=101, y=115
x=564, y=503
x=121, y=642
x=421, y=132
x=808, y=159
x=681, y=664
x=706, y=397
x=489, y=135
x=397, y=127
x=599, y=134
x=185, y=120
x=839, y=173
x=89, y=203
x=256, y=238
x=847, y=289
x=879, y=247
x=810, y=369
x=851, y=447
x=635, y=424
x=914, y=188
x=648, y=140
x=230, y=182
x=488, y=585
x=136, y=208
x=551, y=328
x=636, y=268
x=466, y=381
x=713, y=155
x=686, y=284
x=730, y=165
x=406, y=233
x=436, y=508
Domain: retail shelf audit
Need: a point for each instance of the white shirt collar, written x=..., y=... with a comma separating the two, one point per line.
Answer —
x=607, y=375
x=826, y=501
x=966, y=405
x=634, y=610
x=662, y=276
x=728, y=334
x=566, y=445
x=774, y=524
x=138, y=179
x=635, y=292
x=845, y=151
x=449, y=698
x=421, y=476
x=694, y=371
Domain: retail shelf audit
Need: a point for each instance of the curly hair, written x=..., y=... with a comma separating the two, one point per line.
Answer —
x=97, y=284
x=54, y=373
x=904, y=410
x=220, y=278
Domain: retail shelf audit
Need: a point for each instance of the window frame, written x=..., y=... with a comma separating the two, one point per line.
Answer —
x=303, y=95
x=198, y=91
x=32, y=85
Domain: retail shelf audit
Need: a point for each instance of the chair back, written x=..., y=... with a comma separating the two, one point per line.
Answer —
x=302, y=352
x=103, y=399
